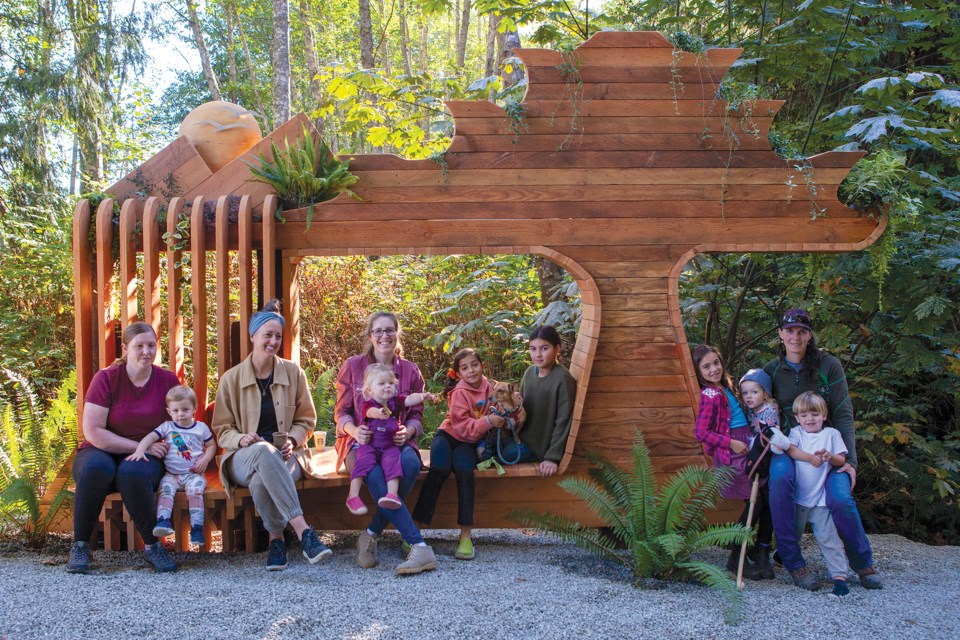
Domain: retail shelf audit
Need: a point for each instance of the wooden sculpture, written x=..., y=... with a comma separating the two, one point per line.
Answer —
x=622, y=167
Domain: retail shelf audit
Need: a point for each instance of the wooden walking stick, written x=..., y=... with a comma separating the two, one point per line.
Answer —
x=743, y=547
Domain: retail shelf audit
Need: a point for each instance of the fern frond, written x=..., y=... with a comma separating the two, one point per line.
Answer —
x=570, y=531
x=719, y=535
x=703, y=496
x=643, y=488
x=600, y=502
x=674, y=496
x=717, y=578
x=21, y=495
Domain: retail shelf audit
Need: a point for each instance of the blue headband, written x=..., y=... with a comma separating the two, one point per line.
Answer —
x=261, y=318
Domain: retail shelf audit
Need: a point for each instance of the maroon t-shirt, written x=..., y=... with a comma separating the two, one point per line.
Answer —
x=134, y=411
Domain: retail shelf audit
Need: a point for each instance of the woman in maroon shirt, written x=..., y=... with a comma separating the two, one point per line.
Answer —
x=125, y=402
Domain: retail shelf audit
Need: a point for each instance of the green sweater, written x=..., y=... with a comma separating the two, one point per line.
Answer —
x=829, y=381
x=549, y=405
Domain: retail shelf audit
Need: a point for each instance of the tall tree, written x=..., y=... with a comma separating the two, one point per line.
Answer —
x=198, y=39
x=366, y=35
x=463, y=34
x=281, y=60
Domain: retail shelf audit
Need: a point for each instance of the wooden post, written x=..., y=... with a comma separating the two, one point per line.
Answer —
x=151, y=267
x=83, y=306
x=105, y=281
x=128, y=264
x=198, y=279
x=174, y=296
x=245, y=263
x=223, y=285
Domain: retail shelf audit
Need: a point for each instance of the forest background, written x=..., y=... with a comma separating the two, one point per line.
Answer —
x=81, y=110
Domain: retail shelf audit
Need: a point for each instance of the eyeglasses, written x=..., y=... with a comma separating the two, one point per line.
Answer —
x=801, y=318
x=379, y=333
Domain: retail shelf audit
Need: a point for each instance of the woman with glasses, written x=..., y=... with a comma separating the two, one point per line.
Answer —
x=383, y=346
x=800, y=366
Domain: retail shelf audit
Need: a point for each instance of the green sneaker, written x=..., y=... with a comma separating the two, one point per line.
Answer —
x=406, y=548
x=464, y=549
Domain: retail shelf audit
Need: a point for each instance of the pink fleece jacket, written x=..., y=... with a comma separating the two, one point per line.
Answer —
x=466, y=411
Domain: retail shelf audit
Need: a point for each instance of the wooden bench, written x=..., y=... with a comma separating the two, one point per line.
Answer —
x=236, y=518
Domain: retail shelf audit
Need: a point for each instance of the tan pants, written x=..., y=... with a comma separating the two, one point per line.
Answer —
x=271, y=480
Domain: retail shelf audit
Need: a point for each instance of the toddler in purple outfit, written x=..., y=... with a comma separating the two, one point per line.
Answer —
x=381, y=413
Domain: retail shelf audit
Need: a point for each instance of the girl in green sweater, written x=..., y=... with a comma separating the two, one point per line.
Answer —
x=548, y=392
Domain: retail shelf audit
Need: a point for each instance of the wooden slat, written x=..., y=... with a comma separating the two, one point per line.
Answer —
x=573, y=141
x=107, y=347
x=177, y=168
x=128, y=264
x=245, y=263
x=151, y=267
x=666, y=56
x=83, y=306
x=270, y=205
x=291, y=293
x=174, y=296
x=198, y=280
x=223, y=286
x=622, y=91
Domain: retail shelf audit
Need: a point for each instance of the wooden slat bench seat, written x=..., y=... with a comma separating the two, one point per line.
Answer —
x=236, y=515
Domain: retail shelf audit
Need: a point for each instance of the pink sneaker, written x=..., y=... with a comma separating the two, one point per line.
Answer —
x=356, y=506
x=390, y=501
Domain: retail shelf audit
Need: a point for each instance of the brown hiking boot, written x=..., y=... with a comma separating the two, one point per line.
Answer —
x=366, y=550
x=421, y=558
x=805, y=579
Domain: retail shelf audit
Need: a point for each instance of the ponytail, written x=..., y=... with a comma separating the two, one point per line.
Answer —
x=132, y=331
x=453, y=373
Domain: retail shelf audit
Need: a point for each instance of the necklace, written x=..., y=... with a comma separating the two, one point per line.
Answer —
x=265, y=385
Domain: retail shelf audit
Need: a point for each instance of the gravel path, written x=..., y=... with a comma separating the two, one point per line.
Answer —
x=519, y=586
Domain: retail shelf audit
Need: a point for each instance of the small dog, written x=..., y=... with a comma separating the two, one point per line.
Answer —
x=506, y=403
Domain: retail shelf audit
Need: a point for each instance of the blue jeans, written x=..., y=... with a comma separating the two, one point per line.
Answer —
x=509, y=450
x=97, y=473
x=843, y=510
x=399, y=518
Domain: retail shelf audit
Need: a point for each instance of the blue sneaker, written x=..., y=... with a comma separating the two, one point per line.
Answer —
x=79, y=558
x=277, y=556
x=157, y=556
x=196, y=534
x=840, y=588
x=313, y=549
x=164, y=528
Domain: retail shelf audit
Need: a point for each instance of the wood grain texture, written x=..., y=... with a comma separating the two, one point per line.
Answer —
x=83, y=306
x=174, y=295
x=198, y=270
x=623, y=167
x=151, y=268
x=106, y=345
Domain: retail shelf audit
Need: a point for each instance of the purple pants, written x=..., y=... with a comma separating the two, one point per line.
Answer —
x=369, y=456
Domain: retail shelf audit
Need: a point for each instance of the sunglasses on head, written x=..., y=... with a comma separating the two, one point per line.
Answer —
x=801, y=318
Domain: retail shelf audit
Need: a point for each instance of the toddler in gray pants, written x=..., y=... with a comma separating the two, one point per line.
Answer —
x=814, y=445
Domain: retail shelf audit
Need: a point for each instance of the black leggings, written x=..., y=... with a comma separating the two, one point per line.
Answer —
x=761, y=515
x=448, y=454
x=97, y=473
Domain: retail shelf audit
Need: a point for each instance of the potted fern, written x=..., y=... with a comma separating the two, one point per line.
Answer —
x=659, y=528
x=304, y=173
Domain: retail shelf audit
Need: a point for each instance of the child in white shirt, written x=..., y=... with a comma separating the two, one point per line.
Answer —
x=815, y=444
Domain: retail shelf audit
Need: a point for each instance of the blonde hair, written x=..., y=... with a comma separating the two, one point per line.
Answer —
x=767, y=398
x=368, y=347
x=181, y=393
x=373, y=374
x=810, y=402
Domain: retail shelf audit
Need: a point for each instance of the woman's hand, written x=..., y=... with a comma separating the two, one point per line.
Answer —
x=852, y=470
x=401, y=436
x=287, y=449
x=248, y=439
x=364, y=435
x=548, y=468
x=158, y=449
x=739, y=447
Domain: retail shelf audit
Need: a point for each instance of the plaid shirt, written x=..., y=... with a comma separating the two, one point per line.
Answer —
x=713, y=424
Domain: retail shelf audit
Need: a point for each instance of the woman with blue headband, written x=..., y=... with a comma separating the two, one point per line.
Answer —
x=262, y=396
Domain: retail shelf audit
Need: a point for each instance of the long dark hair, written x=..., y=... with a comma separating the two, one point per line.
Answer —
x=700, y=352
x=453, y=375
x=810, y=363
x=546, y=332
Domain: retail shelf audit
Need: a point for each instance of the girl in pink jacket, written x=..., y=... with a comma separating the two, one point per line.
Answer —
x=454, y=447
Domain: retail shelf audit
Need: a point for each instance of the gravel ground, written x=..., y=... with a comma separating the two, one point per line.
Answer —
x=520, y=586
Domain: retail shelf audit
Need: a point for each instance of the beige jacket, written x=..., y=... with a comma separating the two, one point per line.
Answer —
x=237, y=411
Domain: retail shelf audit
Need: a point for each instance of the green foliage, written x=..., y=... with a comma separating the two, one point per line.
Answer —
x=305, y=173
x=661, y=529
x=34, y=445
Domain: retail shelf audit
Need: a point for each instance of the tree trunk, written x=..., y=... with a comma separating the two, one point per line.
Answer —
x=231, y=50
x=384, y=44
x=252, y=70
x=281, y=60
x=551, y=275
x=405, y=39
x=211, y=78
x=424, y=35
x=366, y=36
x=490, y=62
x=511, y=41
x=463, y=35
x=313, y=62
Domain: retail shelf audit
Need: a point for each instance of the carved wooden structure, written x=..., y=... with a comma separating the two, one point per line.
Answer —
x=623, y=167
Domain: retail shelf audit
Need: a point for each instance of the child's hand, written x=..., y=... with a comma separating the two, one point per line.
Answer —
x=496, y=421
x=200, y=465
x=430, y=397
x=815, y=459
x=384, y=413
x=739, y=447
x=136, y=455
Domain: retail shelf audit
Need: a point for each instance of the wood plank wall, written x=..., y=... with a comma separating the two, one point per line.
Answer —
x=623, y=167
